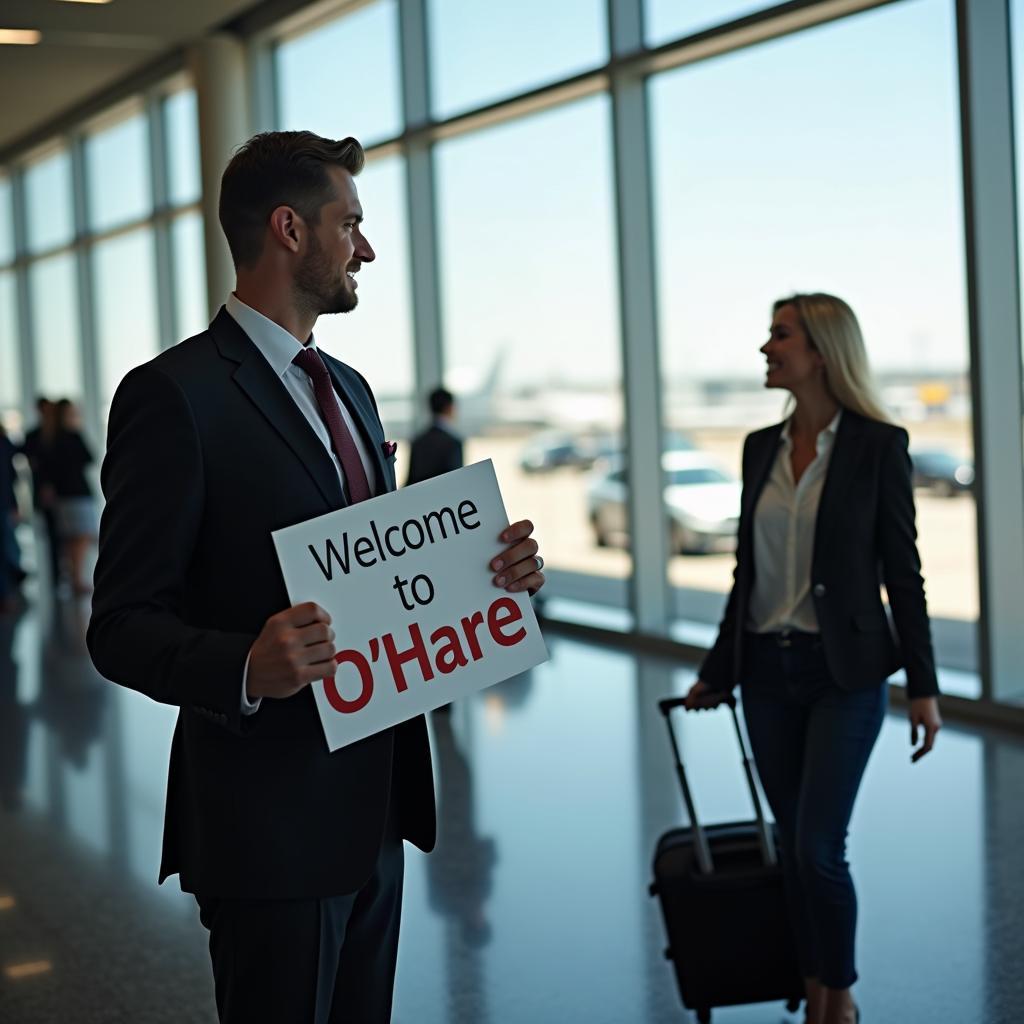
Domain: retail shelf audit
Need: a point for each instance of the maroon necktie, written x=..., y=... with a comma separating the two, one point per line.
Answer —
x=344, y=446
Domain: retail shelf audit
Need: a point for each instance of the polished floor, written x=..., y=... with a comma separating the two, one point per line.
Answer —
x=533, y=909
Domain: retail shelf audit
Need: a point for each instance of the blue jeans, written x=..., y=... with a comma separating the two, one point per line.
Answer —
x=811, y=741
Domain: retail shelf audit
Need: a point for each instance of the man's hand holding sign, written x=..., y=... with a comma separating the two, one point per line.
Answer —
x=396, y=611
x=294, y=648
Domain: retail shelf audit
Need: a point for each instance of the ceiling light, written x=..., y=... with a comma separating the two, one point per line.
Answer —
x=19, y=36
x=6, y=902
x=15, y=972
x=86, y=1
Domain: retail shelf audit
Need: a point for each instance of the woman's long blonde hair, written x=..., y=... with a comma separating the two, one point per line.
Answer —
x=832, y=329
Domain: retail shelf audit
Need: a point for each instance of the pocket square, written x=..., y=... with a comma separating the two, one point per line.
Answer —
x=389, y=448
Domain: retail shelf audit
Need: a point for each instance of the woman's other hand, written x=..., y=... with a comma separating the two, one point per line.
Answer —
x=701, y=696
x=924, y=713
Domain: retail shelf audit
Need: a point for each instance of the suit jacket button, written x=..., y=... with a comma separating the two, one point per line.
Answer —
x=819, y=590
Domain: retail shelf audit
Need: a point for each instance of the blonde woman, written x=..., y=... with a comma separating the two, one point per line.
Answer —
x=827, y=509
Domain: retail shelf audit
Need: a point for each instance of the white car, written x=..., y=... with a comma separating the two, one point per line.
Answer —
x=701, y=498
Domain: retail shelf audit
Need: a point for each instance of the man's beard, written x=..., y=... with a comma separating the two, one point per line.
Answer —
x=317, y=286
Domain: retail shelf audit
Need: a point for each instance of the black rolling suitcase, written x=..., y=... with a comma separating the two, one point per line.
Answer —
x=721, y=894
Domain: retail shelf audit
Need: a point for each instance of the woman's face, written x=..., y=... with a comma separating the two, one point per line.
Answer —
x=793, y=362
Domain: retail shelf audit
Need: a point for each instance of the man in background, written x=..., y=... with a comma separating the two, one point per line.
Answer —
x=438, y=449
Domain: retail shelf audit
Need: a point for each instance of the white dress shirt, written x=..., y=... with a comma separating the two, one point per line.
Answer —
x=279, y=348
x=784, y=522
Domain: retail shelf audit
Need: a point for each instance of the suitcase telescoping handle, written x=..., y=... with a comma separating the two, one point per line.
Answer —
x=701, y=846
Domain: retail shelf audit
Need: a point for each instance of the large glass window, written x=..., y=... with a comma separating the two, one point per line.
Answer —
x=669, y=19
x=826, y=161
x=53, y=288
x=342, y=79
x=126, y=328
x=1017, y=54
x=376, y=337
x=117, y=172
x=48, y=201
x=190, y=305
x=485, y=52
x=530, y=302
x=10, y=377
x=181, y=121
x=6, y=221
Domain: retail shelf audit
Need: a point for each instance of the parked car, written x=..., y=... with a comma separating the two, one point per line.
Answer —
x=554, y=449
x=551, y=450
x=942, y=472
x=609, y=446
x=701, y=498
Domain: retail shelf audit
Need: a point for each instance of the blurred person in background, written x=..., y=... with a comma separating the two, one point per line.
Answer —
x=827, y=502
x=37, y=448
x=438, y=449
x=11, y=573
x=77, y=517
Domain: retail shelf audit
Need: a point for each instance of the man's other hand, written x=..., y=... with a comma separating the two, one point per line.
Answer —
x=294, y=648
x=519, y=566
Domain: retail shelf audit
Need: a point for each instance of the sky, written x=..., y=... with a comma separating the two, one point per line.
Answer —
x=824, y=161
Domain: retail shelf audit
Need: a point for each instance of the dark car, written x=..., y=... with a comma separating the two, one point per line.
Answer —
x=942, y=472
x=554, y=449
x=551, y=450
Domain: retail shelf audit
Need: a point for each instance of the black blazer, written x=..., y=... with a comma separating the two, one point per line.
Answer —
x=434, y=452
x=864, y=535
x=207, y=453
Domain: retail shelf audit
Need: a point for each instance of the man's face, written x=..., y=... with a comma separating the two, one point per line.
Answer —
x=336, y=250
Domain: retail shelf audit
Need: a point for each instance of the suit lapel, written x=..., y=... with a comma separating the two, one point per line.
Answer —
x=351, y=391
x=760, y=470
x=754, y=480
x=847, y=452
x=271, y=399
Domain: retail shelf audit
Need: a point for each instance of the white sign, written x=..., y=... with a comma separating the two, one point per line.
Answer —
x=406, y=579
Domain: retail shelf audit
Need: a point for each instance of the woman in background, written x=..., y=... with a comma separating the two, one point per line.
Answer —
x=77, y=519
x=827, y=502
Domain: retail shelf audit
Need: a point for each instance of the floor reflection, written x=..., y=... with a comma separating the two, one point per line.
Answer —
x=552, y=790
x=13, y=721
x=459, y=875
x=73, y=697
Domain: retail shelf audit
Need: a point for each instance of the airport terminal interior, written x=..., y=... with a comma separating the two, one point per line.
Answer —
x=582, y=212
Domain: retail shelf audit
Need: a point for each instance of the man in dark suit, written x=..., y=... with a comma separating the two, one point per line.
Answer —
x=438, y=449
x=294, y=853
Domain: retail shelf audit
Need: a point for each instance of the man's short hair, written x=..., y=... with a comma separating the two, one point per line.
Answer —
x=277, y=169
x=440, y=401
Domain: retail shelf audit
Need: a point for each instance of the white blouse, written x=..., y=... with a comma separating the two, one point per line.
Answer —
x=784, y=523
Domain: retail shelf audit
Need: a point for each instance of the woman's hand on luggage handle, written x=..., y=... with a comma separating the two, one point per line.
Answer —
x=924, y=712
x=701, y=696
